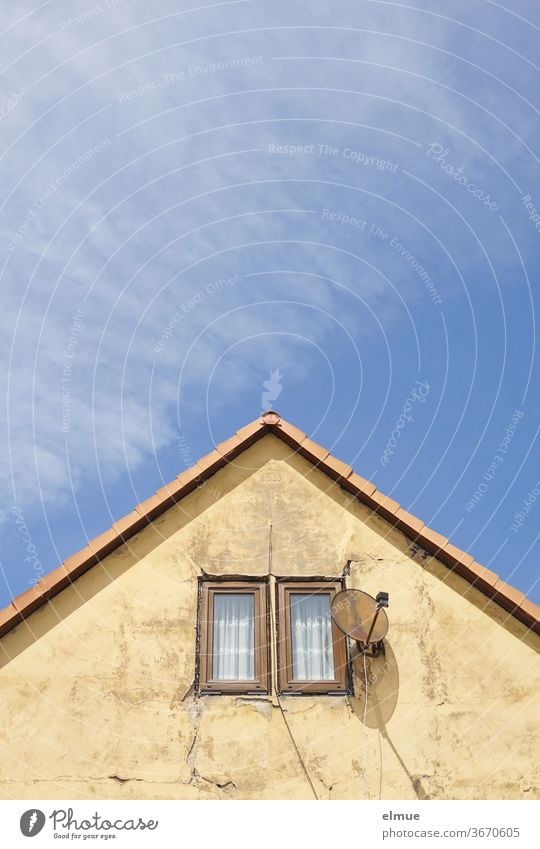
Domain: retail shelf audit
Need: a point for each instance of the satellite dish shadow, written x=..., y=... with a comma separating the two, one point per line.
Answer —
x=382, y=688
x=382, y=697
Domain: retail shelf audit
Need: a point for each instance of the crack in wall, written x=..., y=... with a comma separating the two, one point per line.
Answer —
x=195, y=708
x=117, y=778
x=190, y=758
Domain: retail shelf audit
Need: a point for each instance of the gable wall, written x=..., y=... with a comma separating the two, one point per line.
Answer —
x=97, y=686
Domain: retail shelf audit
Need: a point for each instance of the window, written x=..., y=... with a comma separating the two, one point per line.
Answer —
x=235, y=646
x=233, y=637
x=312, y=650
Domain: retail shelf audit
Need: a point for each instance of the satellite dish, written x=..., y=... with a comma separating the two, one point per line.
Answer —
x=361, y=617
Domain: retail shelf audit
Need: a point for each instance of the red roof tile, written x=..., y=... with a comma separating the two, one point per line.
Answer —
x=313, y=451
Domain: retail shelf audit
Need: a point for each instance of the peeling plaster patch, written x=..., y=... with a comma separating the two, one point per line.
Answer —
x=434, y=686
x=195, y=566
x=261, y=705
x=123, y=550
x=194, y=708
x=418, y=787
x=416, y=552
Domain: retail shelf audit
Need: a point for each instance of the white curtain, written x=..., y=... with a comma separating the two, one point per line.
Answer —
x=234, y=639
x=311, y=625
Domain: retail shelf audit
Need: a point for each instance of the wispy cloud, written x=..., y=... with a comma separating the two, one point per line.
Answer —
x=147, y=156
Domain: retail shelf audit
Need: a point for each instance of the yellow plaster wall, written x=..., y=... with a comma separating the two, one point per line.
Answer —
x=97, y=696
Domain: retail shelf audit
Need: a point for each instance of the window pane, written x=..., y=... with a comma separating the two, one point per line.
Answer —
x=311, y=627
x=234, y=637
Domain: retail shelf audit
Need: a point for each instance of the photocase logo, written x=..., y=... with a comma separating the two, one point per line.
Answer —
x=64, y=820
x=32, y=822
x=273, y=390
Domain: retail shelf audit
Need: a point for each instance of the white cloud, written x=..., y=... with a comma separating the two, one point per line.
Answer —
x=131, y=285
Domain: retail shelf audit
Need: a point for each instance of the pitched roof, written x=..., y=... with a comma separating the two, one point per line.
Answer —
x=463, y=564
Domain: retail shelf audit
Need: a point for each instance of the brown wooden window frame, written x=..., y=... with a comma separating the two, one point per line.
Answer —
x=287, y=684
x=261, y=682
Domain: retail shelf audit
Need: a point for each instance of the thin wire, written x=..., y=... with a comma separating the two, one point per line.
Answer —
x=274, y=682
x=270, y=549
x=365, y=726
x=296, y=748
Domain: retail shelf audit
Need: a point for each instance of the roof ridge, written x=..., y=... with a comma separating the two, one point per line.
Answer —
x=506, y=596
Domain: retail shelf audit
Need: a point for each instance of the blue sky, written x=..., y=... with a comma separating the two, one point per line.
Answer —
x=196, y=197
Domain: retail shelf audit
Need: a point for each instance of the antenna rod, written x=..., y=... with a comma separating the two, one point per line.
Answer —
x=373, y=623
